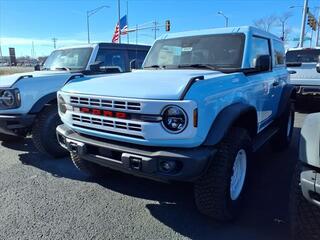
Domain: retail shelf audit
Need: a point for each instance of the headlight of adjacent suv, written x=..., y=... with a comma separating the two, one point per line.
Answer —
x=174, y=119
x=9, y=98
x=62, y=105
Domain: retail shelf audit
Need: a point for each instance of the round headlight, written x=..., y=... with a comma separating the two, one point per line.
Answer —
x=174, y=119
x=8, y=98
x=62, y=105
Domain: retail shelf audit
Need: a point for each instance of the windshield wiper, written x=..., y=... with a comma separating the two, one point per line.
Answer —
x=199, y=65
x=156, y=66
x=63, y=68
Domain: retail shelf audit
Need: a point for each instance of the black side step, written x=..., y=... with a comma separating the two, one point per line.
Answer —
x=264, y=137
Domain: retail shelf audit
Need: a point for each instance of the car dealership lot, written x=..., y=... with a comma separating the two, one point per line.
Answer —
x=43, y=198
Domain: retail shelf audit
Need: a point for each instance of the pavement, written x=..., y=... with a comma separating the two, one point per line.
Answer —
x=43, y=198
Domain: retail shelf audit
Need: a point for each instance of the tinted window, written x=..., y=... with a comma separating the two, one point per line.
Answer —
x=221, y=50
x=138, y=55
x=72, y=58
x=112, y=58
x=260, y=46
x=306, y=55
x=279, y=52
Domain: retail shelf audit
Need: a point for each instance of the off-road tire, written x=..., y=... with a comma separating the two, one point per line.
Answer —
x=212, y=190
x=282, y=139
x=9, y=138
x=87, y=167
x=44, y=133
x=304, y=216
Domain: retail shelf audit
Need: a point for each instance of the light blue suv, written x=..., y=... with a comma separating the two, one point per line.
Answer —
x=203, y=102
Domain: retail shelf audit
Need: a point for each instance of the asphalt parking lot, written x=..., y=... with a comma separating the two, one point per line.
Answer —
x=42, y=198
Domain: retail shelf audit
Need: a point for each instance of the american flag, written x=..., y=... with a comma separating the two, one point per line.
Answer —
x=122, y=28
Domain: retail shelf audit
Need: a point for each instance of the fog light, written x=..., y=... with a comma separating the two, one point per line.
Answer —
x=168, y=166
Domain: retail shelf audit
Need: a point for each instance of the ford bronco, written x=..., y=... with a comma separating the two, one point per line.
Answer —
x=28, y=102
x=306, y=78
x=203, y=102
x=305, y=191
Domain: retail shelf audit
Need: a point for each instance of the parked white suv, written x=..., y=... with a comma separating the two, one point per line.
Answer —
x=28, y=103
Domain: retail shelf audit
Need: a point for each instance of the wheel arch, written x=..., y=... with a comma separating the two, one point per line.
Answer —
x=236, y=115
x=44, y=101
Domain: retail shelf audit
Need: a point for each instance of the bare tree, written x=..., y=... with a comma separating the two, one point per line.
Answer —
x=266, y=23
x=283, y=23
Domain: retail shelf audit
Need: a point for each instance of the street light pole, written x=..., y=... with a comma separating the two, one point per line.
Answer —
x=303, y=24
x=89, y=14
x=119, y=17
x=225, y=17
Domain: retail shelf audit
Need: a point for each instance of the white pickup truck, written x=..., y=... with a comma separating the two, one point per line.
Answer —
x=303, y=62
x=28, y=102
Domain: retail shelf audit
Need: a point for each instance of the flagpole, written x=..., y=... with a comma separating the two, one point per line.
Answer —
x=128, y=21
x=119, y=21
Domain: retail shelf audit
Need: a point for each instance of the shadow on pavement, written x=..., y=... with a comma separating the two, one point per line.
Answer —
x=264, y=215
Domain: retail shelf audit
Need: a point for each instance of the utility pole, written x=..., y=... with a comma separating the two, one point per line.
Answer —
x=155, y=29
x=128, y=40
x=303, y=24
x=119, y=17
x=54, y=42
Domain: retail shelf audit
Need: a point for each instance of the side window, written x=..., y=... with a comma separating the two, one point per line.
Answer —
x=112, y=58
x=260, y=46
x=279, y=53
x=138, y=55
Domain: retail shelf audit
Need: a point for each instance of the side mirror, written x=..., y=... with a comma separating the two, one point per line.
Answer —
x=263, y=63
x=95, y=67
x=133, y=64
x=292, y=72
x=37, y=67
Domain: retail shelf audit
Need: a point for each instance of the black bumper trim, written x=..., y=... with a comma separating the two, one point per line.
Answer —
x=305, y=90
x=143, y=161
x=13, y=124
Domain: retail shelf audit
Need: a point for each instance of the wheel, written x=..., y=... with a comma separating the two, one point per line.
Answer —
x=219, y=191
x=304, y=216
x=282, y=139
x=9, y=138
x=87, y=167
x=44, y=133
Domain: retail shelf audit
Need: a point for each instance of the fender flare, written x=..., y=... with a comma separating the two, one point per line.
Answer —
x=225, y=119
x=40, y=104
x=288, y=92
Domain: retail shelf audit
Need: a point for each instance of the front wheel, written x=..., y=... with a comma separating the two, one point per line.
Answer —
x=44, y=133
x=219, y=191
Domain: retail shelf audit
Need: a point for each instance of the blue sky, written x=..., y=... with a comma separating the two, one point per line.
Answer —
x=24, y=21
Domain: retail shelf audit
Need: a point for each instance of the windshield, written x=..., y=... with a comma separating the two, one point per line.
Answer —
x=303, y=56
x=223, y=50
x=68, y=59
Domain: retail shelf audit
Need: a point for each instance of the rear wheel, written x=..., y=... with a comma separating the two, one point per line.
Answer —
x=219, y=191
x=305, y=217
x=44, y=133
x=282, y=139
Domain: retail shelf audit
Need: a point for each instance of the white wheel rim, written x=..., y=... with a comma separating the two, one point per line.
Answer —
x=239, y=174
x=289, y=125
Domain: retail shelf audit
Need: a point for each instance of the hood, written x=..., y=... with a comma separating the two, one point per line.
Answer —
x=10, y=80
x=143, y=84
x=306, y=73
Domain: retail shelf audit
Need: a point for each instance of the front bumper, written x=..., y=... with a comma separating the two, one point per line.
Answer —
x=187, y=164
x=308, y=90
x=310, y=185
x=15, y=125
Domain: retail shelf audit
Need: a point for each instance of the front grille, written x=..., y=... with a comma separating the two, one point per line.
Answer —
x=105, y=103
x=114, y=124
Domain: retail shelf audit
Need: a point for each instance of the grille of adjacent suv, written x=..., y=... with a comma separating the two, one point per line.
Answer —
x=106, y=103
x=107, y=123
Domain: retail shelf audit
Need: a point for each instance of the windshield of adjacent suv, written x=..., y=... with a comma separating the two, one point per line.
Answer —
x=303, y=56
x=220, y=51
x=68, y=59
